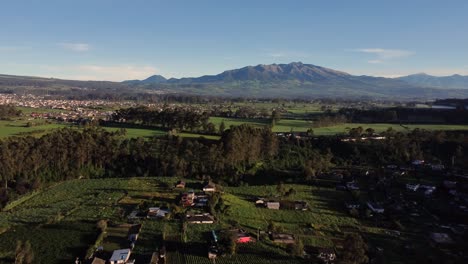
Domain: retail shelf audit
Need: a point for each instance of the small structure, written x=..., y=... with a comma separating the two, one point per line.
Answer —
x=350, y=205
x=375, y=207
x=242, y=236
x=427, y=189
x=327, y=255
x=120, y=256
x=412, y=187
x=210, y=187
x=180, y=185
x=187, y=199
x=352, y=186
x=260, y=202
x=441, y=238
x=301, y=205
x=134, y=215
x=273, y=205
x=156, y=212
x=200, y=219
x=283, y=238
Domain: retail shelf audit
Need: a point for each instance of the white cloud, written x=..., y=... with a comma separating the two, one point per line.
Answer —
x=287, y=54
x=383, y=55
x=93, y=72
x=78, y=47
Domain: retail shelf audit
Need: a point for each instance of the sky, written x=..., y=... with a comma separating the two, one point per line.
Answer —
x=120, y=40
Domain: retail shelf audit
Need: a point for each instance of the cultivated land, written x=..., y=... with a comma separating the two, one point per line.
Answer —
x=60, y=222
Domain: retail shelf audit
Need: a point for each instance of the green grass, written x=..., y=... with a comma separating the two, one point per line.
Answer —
x=18, y=128
x=288, y=125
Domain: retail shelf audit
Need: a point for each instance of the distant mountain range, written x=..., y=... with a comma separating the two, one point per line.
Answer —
x=455, y=81
x=303, y=80
x=293, y=80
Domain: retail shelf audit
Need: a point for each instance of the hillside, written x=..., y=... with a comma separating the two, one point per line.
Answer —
x=455, y=81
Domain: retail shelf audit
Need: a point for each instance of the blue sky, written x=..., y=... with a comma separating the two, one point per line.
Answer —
x=117, y=40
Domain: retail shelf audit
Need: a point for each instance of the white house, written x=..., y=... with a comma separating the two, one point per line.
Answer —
x=120, y=256
x=376, y=208
x=209, y=188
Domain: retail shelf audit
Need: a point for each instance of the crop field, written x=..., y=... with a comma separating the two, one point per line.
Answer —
x=60, y=221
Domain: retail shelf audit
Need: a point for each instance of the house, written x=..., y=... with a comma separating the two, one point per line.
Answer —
x=301, y=205
x=352, y=186
x=180, y=185
x=412, y=187
x=283, y=238
x=450, y=184
x=187, y=199
x=437, y=167
x=210, y=187
x=273, y=205
x=350, y=205
x=427, y=189
x=260, y=202
x=200, y=219
x=156, y=212
x=375, y=207
x=441, y=238
x=326, y=255
x=120, y=256
x=241, y=236
x=134, y=215
x=213, y=251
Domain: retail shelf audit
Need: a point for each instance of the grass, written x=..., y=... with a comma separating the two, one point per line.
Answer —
x=19, y=127
x=288, y=125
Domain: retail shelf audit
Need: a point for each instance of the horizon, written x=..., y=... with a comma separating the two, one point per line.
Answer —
x=168, y=78
x=118, y=40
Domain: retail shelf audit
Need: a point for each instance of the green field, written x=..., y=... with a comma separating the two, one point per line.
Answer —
x=293, y=125
x=19, y=127
x=63, y=222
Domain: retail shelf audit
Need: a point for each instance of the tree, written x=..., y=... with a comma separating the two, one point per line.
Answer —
x=355, y=250
x=227, y=242
x=276, y=116
x=222, y=127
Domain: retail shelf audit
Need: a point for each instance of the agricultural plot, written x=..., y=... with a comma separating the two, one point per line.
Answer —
x=64, y=217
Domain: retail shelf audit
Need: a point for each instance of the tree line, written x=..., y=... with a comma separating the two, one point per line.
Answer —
x=244, y=154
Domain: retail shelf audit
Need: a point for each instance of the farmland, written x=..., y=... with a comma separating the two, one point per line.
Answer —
x=64, y=218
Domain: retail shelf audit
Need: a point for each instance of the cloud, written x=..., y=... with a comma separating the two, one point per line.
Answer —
x=78, y=47
x=383, y=55
x=94, y=72
x=276, y=55
x=287, y=54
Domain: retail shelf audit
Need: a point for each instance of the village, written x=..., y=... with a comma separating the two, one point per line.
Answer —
x=394, y=199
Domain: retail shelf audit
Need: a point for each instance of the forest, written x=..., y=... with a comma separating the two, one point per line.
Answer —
x=243, y=155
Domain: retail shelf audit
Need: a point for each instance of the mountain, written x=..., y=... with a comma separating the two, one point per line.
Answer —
x=293, y=80
x=298, y=80
x=455, y=81
x=149, y=80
